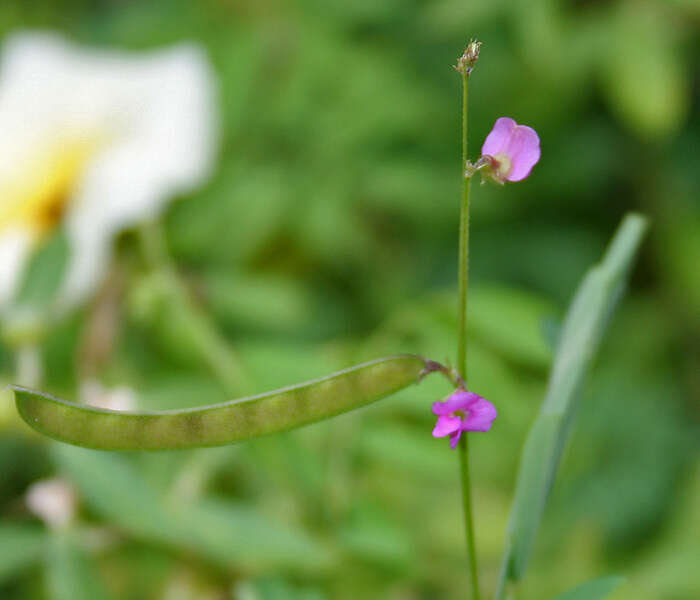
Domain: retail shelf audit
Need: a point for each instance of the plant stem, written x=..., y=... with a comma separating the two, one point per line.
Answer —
x=463, y=449
x=193, y=326
x=462, y=342
x=463, y=243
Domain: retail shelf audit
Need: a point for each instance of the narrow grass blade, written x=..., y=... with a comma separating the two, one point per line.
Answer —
x=583, y=329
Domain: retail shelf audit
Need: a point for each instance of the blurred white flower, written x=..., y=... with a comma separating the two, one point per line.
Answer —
x=97, y=141
x=53, y=501
x=92, y=392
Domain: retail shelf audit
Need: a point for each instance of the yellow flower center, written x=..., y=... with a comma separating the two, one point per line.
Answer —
x=36, y=195
x=503, y=165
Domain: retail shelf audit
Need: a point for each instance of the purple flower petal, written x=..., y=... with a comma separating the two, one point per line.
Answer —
x=459, y=400
x=481, y=416
x=497, y=141
x=446, y=425
x=523, y=151
x=514, y=148
x=462, y=411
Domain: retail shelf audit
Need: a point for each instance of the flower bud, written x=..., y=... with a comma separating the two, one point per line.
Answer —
x=466, y=62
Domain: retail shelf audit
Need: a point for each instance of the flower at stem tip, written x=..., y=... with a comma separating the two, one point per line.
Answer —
x=509, y=152
x=466, y=62
x=462, y=411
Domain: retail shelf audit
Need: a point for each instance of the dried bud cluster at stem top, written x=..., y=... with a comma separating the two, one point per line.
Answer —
x=466, y=62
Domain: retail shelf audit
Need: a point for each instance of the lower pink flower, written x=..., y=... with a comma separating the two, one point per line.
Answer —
x=462, y=411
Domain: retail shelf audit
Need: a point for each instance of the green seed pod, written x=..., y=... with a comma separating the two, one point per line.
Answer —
x=224, y=423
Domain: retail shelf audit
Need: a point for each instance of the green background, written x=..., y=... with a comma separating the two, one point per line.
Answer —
x=327, y=236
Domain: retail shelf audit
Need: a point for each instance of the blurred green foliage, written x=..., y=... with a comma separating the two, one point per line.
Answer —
x=328, y=236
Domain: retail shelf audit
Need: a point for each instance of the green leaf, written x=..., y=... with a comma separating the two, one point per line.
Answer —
x=44, y=274
x=593, y=590
x=226, y=533
x=223, y=423
x=20, y=547
x=537, y=471
x=232, y=534
x=582, y=332
x=116, y=491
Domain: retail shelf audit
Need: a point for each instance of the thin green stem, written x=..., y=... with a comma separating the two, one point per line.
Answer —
x=463, y=449
x=462, y=342
x=153, y=246
x=463, y=242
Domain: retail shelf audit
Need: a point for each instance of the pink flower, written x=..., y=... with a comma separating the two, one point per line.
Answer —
x=511, y=150
x=462, y=411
